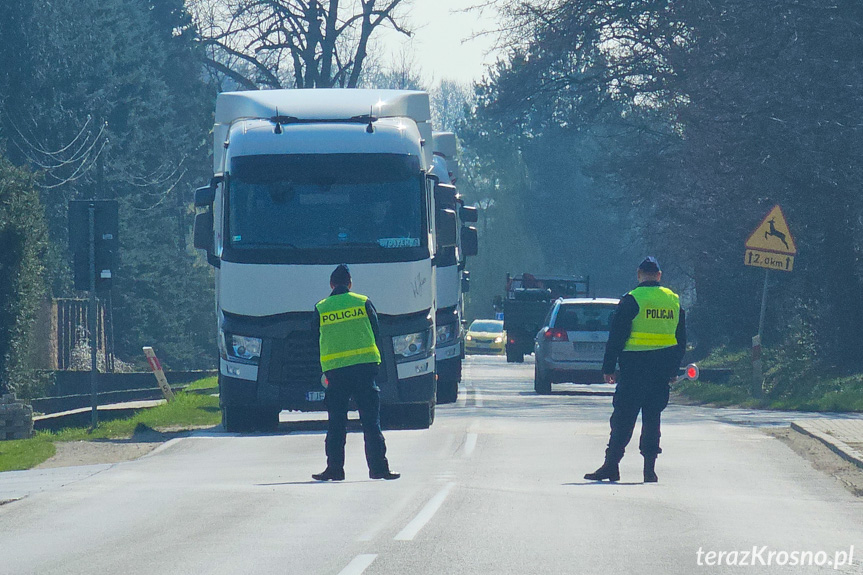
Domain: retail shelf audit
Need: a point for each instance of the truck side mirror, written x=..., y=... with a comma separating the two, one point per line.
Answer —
x=447, y=229
x=205, y=196
x=204, y=231
x=469, y=214
x=469, y=241
x=444, y=196
x=465, y=281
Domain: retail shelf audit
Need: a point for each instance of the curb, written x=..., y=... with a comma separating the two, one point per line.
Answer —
x=838, y=447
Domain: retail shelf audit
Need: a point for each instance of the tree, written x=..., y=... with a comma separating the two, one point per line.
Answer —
x=292, y=43
x=119, y=112
x=24, y=239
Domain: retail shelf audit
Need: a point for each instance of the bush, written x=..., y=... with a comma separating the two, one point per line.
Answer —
x=24, y=239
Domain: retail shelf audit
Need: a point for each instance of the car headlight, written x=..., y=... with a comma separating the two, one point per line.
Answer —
x=245, y=348
x=498, y=339
x=411, y=345
x=446, y=334
x=468, y=337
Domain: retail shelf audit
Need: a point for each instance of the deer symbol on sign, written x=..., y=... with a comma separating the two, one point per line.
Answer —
x=776, y=233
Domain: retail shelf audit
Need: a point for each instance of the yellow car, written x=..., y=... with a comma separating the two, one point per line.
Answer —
x=485, y=336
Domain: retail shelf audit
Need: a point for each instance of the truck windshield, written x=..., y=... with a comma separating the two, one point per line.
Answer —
x=329, y=201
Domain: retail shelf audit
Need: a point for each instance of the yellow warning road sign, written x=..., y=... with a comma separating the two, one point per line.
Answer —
x=772, y=235
x=769, y=260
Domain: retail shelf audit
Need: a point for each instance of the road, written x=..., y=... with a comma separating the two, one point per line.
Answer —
x=495, y=486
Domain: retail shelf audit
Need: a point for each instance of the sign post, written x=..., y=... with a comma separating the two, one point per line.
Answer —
x=770, y=247
x=93, y=243
x=156, y=366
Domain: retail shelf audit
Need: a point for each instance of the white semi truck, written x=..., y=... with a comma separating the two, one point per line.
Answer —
x=305, y=180
x=452, y=278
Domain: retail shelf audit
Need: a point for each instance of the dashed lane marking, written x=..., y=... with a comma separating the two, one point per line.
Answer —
x=359, y=564
x=470, y=444
x=425, y=515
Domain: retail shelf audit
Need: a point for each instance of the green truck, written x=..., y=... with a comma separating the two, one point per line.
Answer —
x=526, y=305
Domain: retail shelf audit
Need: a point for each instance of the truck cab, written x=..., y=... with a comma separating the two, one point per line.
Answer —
x=305, y=180
x=452, y=278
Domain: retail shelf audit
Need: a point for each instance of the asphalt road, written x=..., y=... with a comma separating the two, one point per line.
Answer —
x=495, y=486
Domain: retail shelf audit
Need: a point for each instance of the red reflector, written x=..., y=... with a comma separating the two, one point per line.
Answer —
x=692, y=372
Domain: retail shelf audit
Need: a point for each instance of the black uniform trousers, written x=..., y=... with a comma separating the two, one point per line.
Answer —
x=642, y=388
x=357, y=381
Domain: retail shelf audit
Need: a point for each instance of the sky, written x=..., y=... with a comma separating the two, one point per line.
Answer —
x=441, y=45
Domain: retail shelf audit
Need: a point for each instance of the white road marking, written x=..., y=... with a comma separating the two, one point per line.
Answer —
x=477, y=397
x=470, y=444
x=425, y=515
x=358, y=565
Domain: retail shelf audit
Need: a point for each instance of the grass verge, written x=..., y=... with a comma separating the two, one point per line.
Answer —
x=188, y=410
x=785, y=389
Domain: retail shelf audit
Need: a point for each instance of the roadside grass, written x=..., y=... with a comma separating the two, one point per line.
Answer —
x=188, y=410
x=17, y=454
x=206, y=383
x=809, y=392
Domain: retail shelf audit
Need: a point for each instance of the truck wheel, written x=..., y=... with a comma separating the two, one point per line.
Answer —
x=447, y=383
x=237, y=419
x=541, y=381
x=246, y=419
x=419, y=416
x=447, y=391
x=513, y=355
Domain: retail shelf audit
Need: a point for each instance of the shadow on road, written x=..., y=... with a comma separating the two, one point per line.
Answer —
x=604, y=483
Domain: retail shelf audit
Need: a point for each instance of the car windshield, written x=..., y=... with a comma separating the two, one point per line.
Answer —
x=487, y=325
x=584, y=317
x=326, y=201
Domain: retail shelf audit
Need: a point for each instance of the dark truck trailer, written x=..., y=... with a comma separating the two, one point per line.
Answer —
x=526, y=304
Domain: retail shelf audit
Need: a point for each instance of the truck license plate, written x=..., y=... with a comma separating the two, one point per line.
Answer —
x=315, y=395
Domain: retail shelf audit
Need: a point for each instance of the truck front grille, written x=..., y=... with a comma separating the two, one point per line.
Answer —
x=296, y=360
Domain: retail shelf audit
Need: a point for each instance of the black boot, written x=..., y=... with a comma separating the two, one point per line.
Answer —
x=649, y=471
x=329, y=475
x=384, y=474
x=609, y=470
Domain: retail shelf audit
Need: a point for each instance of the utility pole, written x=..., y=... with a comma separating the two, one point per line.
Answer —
x=91, y=320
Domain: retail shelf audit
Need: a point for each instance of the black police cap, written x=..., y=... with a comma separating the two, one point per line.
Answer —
x=341, y=276
x=649, y=265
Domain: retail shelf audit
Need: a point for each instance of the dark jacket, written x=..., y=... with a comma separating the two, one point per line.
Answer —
x=661, y=363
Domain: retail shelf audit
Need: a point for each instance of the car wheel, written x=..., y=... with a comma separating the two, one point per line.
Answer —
x=541, y=381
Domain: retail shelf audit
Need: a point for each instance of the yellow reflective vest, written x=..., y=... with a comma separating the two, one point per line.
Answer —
x=346, y=335
x=655, y=326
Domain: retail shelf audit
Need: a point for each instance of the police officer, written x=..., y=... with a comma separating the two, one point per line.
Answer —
x=348, y=327
x=648, y=340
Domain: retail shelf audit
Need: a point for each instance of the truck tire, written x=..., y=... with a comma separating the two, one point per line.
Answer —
x=447, y=383
x=419, y=415
x=447, y=391
x=410, y=416
x=247, y=419
x=541, y=381
x=513, y=355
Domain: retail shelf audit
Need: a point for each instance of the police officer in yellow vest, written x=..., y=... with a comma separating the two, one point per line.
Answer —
x=348, y=327
x=647, y=339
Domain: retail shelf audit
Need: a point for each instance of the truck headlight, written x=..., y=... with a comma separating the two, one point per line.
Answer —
x=498, y=339
x=446, y=334
x=244, y=348
x=412, y=345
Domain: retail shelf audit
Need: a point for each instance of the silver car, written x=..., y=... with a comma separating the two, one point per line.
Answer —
x=571, y=345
